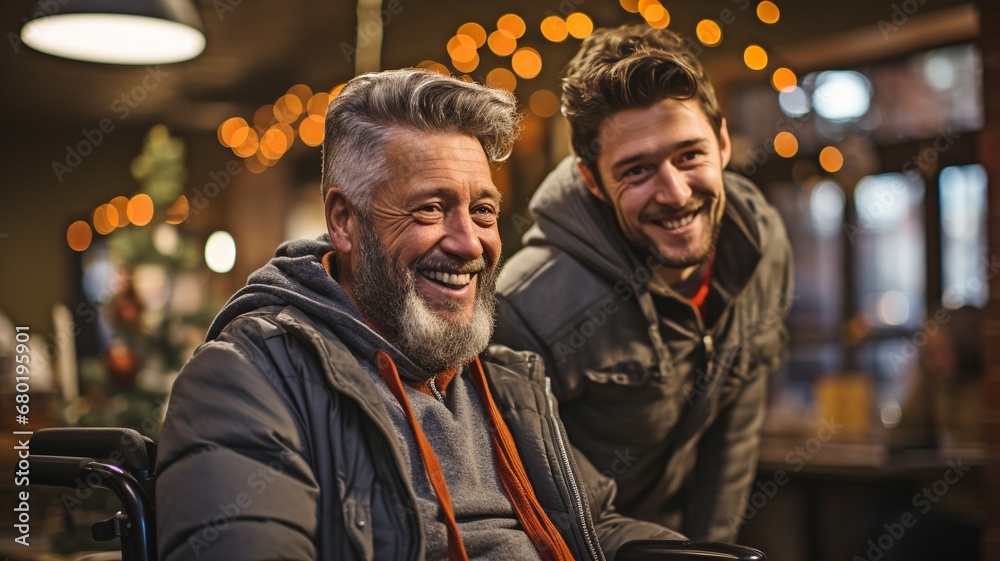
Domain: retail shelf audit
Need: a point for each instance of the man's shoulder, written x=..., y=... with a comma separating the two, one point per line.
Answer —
x=545, y=271
x=752, y=207
x=530, y=264
x=267, y=338
x=548, y=287
x=748, y=197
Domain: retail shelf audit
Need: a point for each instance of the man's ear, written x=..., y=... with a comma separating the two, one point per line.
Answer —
x=591, y=182
x=339, y=221
x=725, y=146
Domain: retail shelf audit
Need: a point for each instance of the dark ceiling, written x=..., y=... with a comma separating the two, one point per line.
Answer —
x=257, y=49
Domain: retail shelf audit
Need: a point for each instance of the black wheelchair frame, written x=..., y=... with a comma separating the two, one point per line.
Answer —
x=122, y=461
x=117, y=459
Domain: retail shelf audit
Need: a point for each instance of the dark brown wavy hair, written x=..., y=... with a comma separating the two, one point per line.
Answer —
x=632, y=66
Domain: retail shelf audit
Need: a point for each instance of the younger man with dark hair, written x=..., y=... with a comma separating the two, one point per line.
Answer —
x=654, y=284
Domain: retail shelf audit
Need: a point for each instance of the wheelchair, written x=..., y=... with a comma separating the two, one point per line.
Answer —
x=122, y=461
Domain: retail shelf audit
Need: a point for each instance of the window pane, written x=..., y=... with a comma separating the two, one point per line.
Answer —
x=963, y=236
x=889, y=240
x=814, y=218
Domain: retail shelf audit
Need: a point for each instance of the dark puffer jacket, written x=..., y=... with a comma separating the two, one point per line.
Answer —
x=277, y=444
x=669, y=408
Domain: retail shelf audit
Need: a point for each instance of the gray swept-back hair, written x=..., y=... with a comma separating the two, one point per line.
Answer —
x=372, y=107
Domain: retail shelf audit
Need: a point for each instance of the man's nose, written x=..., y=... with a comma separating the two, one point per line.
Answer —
x=672, y=188
x=461, y=237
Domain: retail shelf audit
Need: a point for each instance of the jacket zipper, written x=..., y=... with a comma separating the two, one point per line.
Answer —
x=432, y=385
x=589, y=533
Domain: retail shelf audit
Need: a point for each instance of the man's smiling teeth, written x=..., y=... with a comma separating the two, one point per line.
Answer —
x=679, y=223
x=448, y=278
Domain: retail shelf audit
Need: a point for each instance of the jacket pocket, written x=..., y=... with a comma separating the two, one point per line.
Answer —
x=626, y=373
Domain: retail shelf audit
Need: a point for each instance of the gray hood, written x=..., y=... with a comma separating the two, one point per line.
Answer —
x=566, y=214
x=295, y=277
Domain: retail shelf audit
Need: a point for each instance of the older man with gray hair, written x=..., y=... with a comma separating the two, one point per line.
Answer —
x=344, y=405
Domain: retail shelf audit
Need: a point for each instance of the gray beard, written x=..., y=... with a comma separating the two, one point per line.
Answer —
x=385, y=292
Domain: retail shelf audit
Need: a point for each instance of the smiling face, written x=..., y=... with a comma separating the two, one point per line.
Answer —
x=422, y=265
x=661, y=171
x=438, y=217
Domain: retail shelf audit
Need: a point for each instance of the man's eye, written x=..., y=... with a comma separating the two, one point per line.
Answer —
x=689, y=156
x=486, y=212
x=636, y=173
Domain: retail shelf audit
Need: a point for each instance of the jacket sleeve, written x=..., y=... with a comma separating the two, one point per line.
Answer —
x=614, y=529
x=232, y=483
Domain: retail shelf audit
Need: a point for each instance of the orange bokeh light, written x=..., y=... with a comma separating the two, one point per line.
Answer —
x=462, y=49
x=512, y=23
x=263, y=159
x=228, y=130
x=526, y=62
x=474, y=30
x=768, y=12
x=318, y=104
x=502, y=42
x=554, y=29
x=466, y=66
x=579, y=24
x=643, y=5
x=105, y=219
x=544, y=103
x=249, y=145
x=657, y=16
x=273, y=144
x=785, y=144
x=178, y=212
x=140, y=209
x=287, y=109
x=301, y=91
x=630, y=5
x=502, y=78
x=79, y=236
x=831, y=159
x=755, y=57
x=435, y=66
x=784, y=79
x=311, y=130
x=121, y=206
x=709, y=32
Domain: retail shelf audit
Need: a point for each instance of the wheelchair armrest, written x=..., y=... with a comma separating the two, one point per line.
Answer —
x=123, y=447
x=676, y=550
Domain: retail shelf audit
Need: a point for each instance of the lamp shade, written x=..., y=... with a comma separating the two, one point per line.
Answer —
x=119, y=31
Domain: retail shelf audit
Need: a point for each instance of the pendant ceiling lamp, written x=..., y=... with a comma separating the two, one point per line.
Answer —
x=119, y=31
